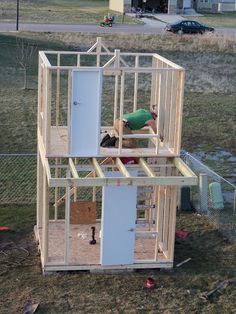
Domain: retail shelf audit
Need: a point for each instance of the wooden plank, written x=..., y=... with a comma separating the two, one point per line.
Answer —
x=122, y=168
x=73, y=169
x=136, y=84
x=112, y=60
x=138, y=181
x=173, y=108
x=39, y=190
x=168, y=62
x=146, y=167
x=172, y=223
x=183, y=168
x=67, y=226
x=178, y=126
x=116, y=87
x=137, y=265
x=83, y=212
x=121, y=111
x=47, y=117
x=98, y=169
x=58, y=91
x=45, y=218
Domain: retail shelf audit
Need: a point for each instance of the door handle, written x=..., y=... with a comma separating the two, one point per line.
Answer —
x=131, y=229
x=75, y=103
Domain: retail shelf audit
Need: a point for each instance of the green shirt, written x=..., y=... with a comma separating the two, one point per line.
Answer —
x=138, y=119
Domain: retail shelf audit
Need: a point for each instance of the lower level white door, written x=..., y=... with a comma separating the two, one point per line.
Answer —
x=118, y=224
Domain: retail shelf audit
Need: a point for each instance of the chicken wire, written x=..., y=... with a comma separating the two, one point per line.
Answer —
x=18, y=181
x=223, y=217
x=18, y=178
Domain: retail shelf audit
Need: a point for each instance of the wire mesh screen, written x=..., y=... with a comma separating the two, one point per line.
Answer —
x=18, y=177
x=214, y=197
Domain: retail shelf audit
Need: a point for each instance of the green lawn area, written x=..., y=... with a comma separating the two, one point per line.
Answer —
x=58, y=11
x=226, y=19
x=177, y=291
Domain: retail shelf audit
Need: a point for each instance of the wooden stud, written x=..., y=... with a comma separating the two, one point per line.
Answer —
x=136, y=84
x=122, y=168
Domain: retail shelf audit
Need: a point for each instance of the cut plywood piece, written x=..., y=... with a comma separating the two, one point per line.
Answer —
x=85, y=112
x=83, y=212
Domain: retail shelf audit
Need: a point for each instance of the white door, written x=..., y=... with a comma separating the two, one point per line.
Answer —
x=85, y=115
x=118, y=224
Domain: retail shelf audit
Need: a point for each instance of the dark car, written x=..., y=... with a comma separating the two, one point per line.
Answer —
x=188, y=27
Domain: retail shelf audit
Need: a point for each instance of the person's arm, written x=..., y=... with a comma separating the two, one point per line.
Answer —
x=152, y=124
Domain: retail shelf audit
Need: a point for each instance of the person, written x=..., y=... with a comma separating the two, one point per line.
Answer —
x=136, y=121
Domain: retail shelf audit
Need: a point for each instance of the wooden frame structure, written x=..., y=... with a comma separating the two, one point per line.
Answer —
x=157, y=171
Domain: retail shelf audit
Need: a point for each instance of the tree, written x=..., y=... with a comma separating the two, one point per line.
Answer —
x=25, y=52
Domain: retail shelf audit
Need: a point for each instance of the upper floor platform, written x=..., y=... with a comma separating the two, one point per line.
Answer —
x=82, y=94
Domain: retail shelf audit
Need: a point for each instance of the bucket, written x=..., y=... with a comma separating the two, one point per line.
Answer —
x=216, y=195
x=150, y=283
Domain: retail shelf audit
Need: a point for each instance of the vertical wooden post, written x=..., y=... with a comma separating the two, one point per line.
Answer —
x=39, y=190
x=94, y=190
x=45, y=224
x=179, y=104
x=98, y=50
x=56, y=193
x=78, y=60
x=157, y=210
x=167, y=106
x=203, y=192
x=172, y=109
x=153, y=84
x=69, y=109
x=75, y=188
x=136, y=84
x=121, y=110
x=47, y=137
x=172, y=223
x=116, y=64
x=58, y=91
x=57, y=124
x=67, y=223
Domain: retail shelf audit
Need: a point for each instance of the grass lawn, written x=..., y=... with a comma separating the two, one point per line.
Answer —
x=177, y=291
x=85, y=12
x=226, y=19
x=209, y=118
x=58, y=11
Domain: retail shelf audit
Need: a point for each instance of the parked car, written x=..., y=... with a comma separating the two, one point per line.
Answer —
x=188, y=27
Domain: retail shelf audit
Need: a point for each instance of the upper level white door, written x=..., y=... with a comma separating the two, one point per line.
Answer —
x=85, y=113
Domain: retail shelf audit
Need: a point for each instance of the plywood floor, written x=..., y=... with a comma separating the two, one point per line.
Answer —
x=59, y=147
x=81, y=252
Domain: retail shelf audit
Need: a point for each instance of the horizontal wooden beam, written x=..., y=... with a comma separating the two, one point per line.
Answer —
x=117, y=181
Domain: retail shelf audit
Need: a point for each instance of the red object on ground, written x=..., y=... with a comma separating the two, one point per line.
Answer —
x=129, y=160
x=181, y=234
x=3, y=228
x=150, y=283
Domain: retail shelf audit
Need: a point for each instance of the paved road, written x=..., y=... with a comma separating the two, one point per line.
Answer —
x=156, y=28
